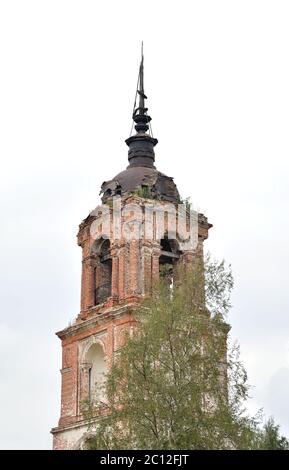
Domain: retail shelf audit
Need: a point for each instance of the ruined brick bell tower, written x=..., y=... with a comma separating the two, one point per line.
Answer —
x=125, y=242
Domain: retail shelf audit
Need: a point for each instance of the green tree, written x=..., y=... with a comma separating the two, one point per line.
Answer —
x=174, y=384
x=270, y=438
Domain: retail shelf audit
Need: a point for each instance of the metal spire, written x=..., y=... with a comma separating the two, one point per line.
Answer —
x=141, y=145
x=140, y=91
x=140, y=116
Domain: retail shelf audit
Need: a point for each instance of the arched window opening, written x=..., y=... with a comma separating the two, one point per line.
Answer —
x=169, y=257
x=102, y=272
x=97, y=373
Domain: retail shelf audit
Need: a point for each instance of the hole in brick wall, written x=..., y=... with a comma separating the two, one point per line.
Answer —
x=169, y=257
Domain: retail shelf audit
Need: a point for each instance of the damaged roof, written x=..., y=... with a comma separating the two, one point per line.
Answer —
x=135, y=179
x=141, y=176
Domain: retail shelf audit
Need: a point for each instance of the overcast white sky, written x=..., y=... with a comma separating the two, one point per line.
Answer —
x=217, y=75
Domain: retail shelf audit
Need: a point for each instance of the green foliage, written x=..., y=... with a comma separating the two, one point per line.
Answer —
x=186, y=201
x=109, y=203
x=270, y=438
x=144, y=192
x=174, y=385
x=219, y=283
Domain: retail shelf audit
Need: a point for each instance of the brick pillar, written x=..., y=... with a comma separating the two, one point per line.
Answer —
x=134, y=266
x=84, y=383
x=87, y=285
x=121, y=272
x=146, y=277
x=155, y=265
x=186, y=260
x=110, y=346
x=114, y=275
x=66, y=394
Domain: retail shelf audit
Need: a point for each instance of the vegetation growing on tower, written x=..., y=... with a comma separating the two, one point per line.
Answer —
x=175, y=385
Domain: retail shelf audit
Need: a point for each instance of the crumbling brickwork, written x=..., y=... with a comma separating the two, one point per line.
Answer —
x=125, y=243
x=135, y=269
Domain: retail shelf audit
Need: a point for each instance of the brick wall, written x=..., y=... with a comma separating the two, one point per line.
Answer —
x=134, y=272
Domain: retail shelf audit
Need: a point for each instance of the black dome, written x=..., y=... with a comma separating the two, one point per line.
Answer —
x=147, y=182
x=141, y=176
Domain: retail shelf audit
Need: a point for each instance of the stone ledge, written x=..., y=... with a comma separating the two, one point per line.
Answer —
x=67, y=427
x=100, y=318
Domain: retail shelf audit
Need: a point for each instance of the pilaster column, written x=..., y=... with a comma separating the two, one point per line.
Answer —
x=84, y=383
x=121, y=272
x=87, y=284
x=114, y=274
x=146, y=275
x=134, y=267
x=155, y=265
